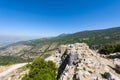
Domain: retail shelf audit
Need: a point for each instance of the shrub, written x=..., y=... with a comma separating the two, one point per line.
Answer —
x=110, y=48
x=41, y=70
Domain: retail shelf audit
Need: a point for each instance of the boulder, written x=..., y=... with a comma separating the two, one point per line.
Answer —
x=107, y=75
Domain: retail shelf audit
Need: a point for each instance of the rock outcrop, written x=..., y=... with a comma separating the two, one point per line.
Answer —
x=78, y=62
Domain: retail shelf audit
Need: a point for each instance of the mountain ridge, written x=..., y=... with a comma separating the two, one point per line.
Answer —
x=46, y=46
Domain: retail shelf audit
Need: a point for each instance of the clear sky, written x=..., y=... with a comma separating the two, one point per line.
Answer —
x=53, y=17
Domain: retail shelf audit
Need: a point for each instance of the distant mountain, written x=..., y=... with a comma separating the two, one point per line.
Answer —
x=46, y=46
x=92, y=38
x=62, y=35
x=7, y=39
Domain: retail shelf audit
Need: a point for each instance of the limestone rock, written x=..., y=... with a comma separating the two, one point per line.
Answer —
x=77, y=61
x=63, y=48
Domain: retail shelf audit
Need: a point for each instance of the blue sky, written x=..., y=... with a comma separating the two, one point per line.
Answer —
x=53, y=17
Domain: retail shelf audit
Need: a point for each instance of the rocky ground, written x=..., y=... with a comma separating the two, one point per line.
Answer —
x=3, y=68
x=78, y=62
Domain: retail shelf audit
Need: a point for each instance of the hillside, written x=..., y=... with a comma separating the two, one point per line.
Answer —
x=46, y=46
x=94, y=37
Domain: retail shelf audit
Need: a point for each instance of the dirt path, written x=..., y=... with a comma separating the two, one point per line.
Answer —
x=16, y=66
x=11, y=69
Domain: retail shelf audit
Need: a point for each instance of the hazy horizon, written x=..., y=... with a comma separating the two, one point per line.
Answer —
x=38, y=18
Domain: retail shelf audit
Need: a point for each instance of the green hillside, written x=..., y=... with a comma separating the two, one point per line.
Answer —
x=47, y=46
x=92, y=38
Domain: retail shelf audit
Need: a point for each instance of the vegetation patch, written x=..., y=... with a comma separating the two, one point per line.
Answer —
x=8, y=60
x=110, y=48
x=41, y=70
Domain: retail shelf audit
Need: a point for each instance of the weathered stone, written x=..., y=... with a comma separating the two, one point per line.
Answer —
x=78, y=58
x=63, y=49
x=108, y=76
x=117, y=67
x=76, y=77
